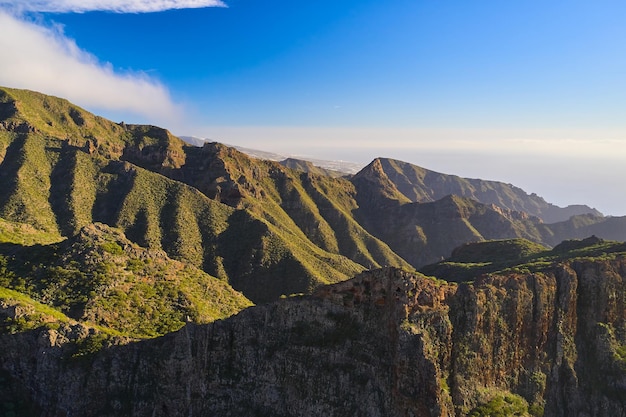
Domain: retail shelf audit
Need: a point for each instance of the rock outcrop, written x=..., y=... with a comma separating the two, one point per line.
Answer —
x=386, y=343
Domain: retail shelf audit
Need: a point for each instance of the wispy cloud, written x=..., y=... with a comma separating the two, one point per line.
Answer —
x=120, y=6
x=44, y=59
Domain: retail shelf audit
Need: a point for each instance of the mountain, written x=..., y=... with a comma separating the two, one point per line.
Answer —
x=539, y=340
x=424, y=233
x=130, y=262
x=333, y=168
x=422, y=185
x=267, y=229
x=195, y=140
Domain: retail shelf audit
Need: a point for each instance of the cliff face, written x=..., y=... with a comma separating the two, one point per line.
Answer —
x=384, y=343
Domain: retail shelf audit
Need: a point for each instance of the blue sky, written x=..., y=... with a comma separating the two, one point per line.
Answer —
x=528, y=92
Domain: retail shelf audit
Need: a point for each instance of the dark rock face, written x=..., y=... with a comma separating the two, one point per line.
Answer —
x=386, y=343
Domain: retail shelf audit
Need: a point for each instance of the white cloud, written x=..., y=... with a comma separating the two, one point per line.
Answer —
x=120, y=6
x=43, y=59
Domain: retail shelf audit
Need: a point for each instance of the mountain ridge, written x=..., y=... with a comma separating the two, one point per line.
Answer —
x=422, y=185
x=68, y=168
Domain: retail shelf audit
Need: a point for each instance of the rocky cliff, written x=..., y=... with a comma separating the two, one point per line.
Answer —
x=550, y=342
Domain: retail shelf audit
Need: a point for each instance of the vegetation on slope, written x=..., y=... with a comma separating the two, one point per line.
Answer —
x=100, y=277
x=21, y=313
x=508, y=405
x=472, y=260
x=65, y=169
x=321, y=235
x=25, y=234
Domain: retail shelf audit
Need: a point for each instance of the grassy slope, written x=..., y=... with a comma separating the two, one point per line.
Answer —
x=517, y=255
x=101, y=277
x=25, y=234
x=29, y=314
x=313, y=213
x=64, y=170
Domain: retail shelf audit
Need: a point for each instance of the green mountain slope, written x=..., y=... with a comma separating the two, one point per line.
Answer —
x=252, y=223
x=472, y=260
x=111, y=233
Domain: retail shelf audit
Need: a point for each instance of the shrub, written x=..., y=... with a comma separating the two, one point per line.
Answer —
x=506, y=405
x=112, y=247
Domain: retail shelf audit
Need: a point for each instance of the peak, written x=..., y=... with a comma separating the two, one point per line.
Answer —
x=227, y=154
x=399, y=165
x=387, y=161
x=373, y=182
x=300, y=165
x=297, y=161
x=373, y=171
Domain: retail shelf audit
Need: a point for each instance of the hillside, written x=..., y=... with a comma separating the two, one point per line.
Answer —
x=307, y=166
x=100, y=278
x=475, y=259
x=65, y=168
x=424, y=233
x=547, y=342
